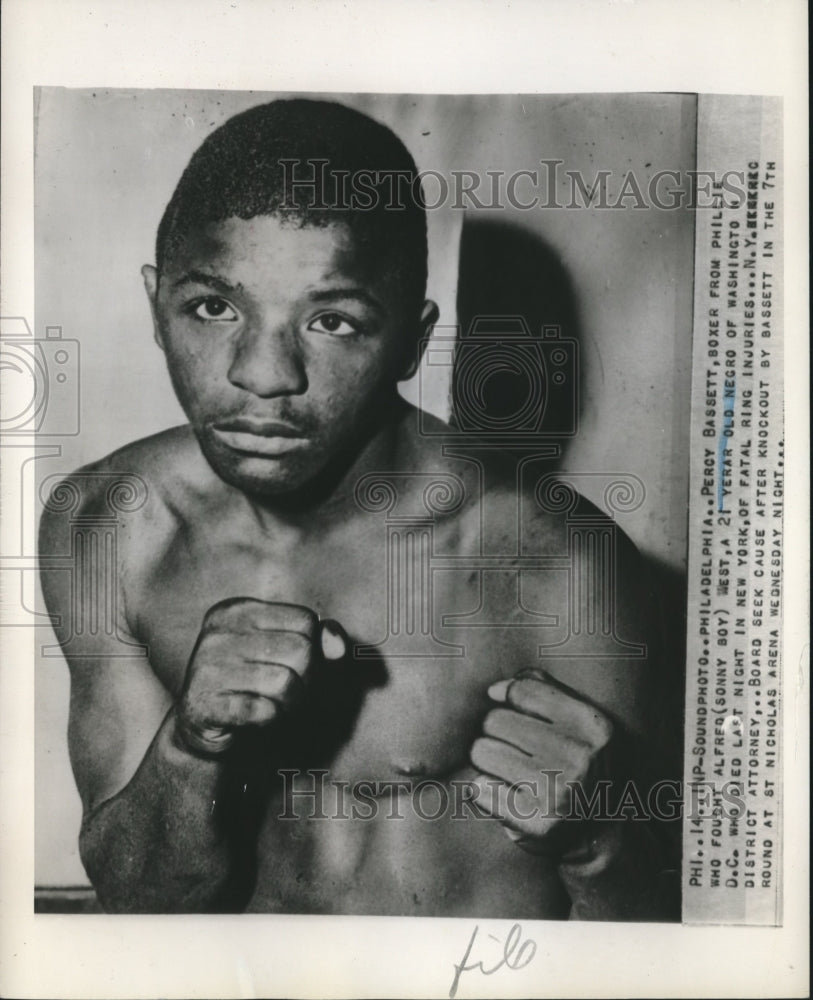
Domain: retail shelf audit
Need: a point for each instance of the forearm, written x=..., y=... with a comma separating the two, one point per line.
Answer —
x=160, y=845
x=623, y=871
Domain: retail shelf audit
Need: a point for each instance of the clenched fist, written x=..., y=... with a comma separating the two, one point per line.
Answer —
x=252, y=659
x=540, y=730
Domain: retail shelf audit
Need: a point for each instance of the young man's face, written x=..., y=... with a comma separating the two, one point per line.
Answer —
x=284, y=345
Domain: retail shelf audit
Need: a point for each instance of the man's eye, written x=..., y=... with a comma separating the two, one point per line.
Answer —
x=214, y=309
x=332, y=323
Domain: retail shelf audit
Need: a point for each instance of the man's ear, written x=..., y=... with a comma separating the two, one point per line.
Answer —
x=429, y=316
x=150, y=276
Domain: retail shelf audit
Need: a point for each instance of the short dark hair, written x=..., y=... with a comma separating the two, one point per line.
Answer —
x=256, y=162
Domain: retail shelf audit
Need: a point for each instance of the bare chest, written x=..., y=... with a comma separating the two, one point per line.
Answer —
x=409, y=697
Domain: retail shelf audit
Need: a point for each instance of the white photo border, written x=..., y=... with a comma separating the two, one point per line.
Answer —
x=748, y=47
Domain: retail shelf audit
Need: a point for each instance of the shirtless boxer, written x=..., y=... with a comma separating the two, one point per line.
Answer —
x=257, y=584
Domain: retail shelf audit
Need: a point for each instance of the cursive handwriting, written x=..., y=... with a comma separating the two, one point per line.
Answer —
x=516, y=954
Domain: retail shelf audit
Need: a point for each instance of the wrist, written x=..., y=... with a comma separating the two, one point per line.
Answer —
x=599, y=847
x=622, y=875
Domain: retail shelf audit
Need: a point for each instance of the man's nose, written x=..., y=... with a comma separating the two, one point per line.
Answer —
x=267, y=362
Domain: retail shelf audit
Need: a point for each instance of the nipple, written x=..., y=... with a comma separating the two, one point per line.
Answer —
x=410, y=767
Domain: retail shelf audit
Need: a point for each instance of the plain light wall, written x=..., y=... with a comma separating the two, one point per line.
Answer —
x=106, y=164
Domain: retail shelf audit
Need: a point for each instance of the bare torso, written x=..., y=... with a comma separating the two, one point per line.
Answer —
x=393, y=711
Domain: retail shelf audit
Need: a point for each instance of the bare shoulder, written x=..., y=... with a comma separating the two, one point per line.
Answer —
x=523, y=507
x=144, y=487
x=569, y=561
x=437, y=455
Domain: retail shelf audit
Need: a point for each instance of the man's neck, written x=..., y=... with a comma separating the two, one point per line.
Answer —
x=319, y=505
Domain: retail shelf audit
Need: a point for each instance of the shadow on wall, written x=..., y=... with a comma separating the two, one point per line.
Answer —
x=506, y=271
x=507, y=274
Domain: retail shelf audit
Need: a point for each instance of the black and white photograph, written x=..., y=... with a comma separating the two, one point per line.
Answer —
x=402, y=481
x=331, y=650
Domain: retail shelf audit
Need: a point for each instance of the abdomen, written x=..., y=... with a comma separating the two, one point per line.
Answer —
x=418, y=854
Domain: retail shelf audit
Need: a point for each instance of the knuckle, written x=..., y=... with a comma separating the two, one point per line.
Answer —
x=305, y=617
x=540, y=830
x=239, y=708
x=290, y=685
x=518, y=690
x=213, y=647
x=249, y=709
x=204, y=669
x=267, y=714
x=479, y=784
x=261, y=711
x=581, y=756
x=497, y=720
x=604, y=729
x=532, y=674
x=232, y=611
x=301, y=652
x=525, y=692
x=480, y=751
x=222, y=612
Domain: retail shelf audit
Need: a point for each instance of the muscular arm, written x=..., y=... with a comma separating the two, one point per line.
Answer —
x=159, y=845
x=171, y=793
x=150, y=838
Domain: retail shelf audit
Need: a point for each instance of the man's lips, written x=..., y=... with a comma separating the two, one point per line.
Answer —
x=262, y=428
x=259, y=437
